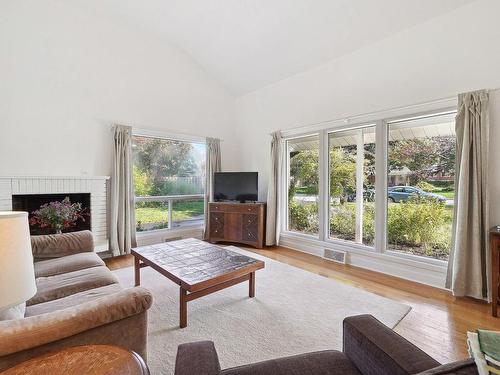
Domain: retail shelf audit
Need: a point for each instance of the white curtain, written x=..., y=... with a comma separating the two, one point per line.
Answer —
x=213, y=164
x=469, y=261
x=122, y=218
x=273, y=220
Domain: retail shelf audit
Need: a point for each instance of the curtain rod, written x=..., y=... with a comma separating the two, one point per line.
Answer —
x=162, y=133
x=348, y=119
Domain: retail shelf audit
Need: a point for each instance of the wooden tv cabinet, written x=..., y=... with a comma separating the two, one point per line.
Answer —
x=237, y=222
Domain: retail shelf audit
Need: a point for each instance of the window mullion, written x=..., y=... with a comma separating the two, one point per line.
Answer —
x=323, y=186
x=381, y=186
x=359, y=185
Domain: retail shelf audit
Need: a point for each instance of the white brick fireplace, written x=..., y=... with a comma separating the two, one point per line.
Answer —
x=97, y=186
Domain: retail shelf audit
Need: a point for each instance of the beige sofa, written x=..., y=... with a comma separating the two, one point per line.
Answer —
x=78, y=301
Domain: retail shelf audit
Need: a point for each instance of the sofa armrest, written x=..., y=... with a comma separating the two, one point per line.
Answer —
x=197, y=358
x=26, y=333
x=59, y=245
x=376, y=349
x=465, y=367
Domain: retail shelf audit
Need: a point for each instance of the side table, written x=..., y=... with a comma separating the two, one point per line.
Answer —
x=86, y=359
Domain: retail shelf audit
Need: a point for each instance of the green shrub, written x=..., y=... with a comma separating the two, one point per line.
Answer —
x=417, y=222
x=303, y=218
x=343, y=222
x=368, y=223
x=425, y=186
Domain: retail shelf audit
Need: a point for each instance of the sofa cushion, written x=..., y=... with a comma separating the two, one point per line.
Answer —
x=59, y=286
x=67, y=264
x=72, y=300
x=329, y=362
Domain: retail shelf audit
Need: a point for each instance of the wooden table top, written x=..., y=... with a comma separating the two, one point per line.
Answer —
x=196, y=264
x=86, y=359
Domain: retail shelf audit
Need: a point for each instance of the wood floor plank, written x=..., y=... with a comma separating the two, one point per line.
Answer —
x=437, y=323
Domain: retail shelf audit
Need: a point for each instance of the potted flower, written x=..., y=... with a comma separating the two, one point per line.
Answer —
x=58, y=215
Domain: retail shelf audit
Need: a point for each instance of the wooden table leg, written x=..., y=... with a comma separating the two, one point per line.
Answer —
x=251, y=285
x=137, y=271
x=183, y=308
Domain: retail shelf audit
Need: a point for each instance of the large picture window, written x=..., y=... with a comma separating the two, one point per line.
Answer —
x=421, y=164
x=351, y=158
x=303, y=184
x=169, y=178
x=387, y=185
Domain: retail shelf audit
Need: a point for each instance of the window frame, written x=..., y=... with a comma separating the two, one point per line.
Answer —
x=370, y=124
x=286, y=184
x=158, y=134
x=380, y=121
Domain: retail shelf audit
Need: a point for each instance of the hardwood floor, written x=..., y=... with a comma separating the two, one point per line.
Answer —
x=437, y=323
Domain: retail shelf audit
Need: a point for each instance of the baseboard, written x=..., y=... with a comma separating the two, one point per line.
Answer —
x=421, y=272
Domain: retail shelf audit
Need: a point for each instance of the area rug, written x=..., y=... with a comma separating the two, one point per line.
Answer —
x=294, y=311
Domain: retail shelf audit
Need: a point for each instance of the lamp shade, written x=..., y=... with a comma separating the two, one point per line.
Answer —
x=17, y=275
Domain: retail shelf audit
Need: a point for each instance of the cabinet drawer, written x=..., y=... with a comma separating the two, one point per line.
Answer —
x=217, y=225
x=247, y=209
x=249, y=227
x=216, y=207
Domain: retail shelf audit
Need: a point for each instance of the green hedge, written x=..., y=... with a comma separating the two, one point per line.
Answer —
x=303, y=218
x=420, y=226
x=422, y=223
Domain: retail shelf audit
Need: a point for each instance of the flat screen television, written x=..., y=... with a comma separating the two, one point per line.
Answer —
x=235, y=186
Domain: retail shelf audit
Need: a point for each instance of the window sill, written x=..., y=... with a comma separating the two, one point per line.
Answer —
x=157, y=232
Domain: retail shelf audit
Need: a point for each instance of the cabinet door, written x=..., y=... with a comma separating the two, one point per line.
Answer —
x=217, y=224
x=250, y=227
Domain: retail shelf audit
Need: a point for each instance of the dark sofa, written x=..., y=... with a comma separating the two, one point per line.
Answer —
x=369, y=348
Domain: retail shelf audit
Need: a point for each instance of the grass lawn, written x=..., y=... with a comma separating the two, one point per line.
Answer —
x=158, y=216
x=447, y=194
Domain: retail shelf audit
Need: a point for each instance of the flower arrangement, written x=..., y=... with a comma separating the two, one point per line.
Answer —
x=58, y=215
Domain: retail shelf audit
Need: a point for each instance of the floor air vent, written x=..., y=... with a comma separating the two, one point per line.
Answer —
x=335, y=255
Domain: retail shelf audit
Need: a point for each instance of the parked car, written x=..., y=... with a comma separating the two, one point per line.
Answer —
x=404, y=193
x=368, y=196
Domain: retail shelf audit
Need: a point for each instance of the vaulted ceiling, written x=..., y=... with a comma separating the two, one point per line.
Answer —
x=248, y=44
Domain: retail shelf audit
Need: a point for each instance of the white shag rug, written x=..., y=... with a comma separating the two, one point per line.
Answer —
x=294, y=311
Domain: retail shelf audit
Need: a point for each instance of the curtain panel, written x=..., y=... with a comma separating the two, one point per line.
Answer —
x=213, y=164
x=273, y=216
x=122, y=218
x=469, y=262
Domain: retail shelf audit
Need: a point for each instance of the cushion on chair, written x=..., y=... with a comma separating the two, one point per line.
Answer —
x=329, y=362
x=59, y=286
x=72, y=300
x=66, y=264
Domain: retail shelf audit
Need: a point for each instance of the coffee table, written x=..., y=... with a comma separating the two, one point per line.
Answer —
x=198, y=267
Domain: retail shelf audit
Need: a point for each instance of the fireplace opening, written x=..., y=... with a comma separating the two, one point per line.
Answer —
x=32, y=202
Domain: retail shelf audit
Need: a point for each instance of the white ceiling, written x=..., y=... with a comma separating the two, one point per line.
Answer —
x=248, y=44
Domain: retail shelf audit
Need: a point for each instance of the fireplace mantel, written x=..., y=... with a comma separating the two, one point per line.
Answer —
x=97, y=186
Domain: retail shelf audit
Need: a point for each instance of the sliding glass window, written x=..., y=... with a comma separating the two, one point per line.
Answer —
x=421, y=173
x=351, y=158
x=302, y=158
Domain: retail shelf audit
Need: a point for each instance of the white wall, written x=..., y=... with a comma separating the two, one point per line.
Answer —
x=453, y=53
x=66, y=75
